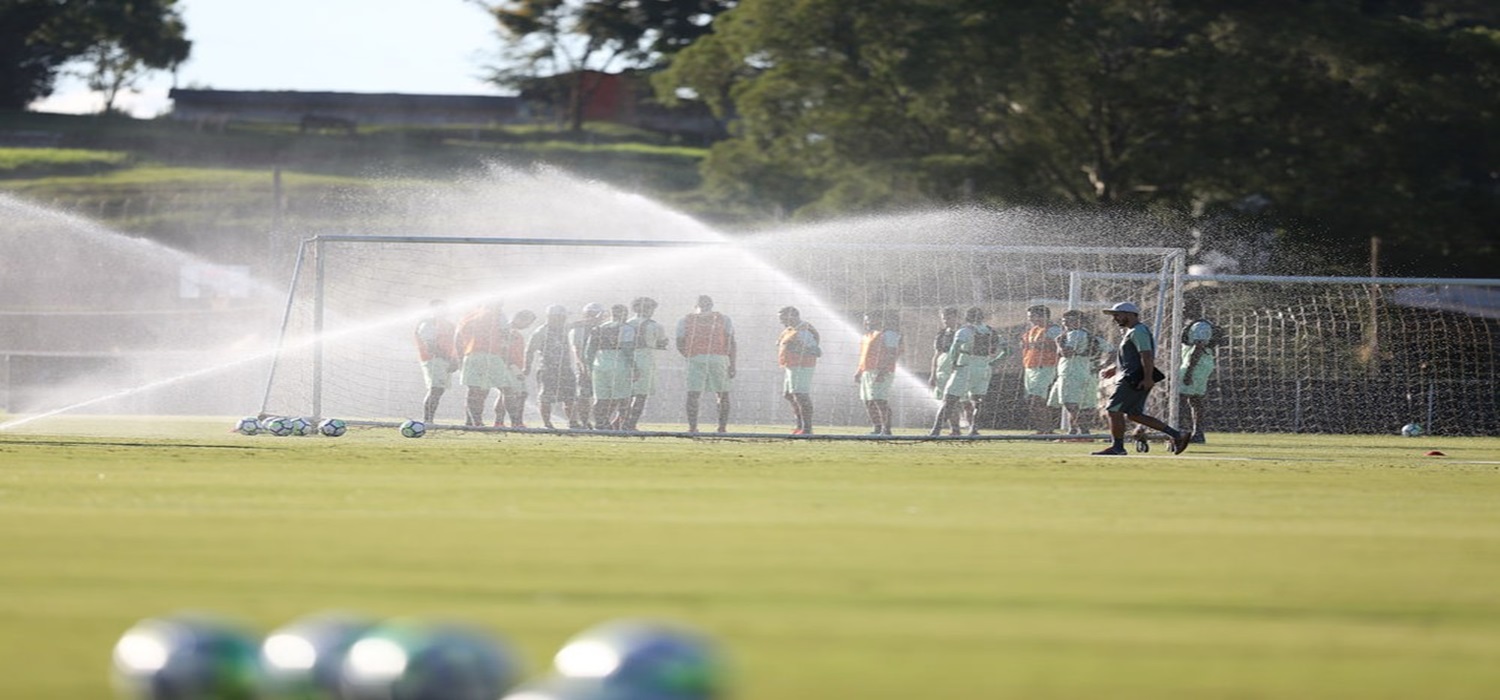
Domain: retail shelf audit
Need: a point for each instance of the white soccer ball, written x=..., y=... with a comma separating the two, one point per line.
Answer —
x=413, y=429
x=1412, y=430
x=303, y=426
x=276, y=425
x=333, y=427
x=248, y=425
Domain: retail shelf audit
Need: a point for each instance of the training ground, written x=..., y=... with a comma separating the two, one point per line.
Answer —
x=1255, y=566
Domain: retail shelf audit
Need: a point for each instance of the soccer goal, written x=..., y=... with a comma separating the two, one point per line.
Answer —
x=1349, y=354
x=347, y=345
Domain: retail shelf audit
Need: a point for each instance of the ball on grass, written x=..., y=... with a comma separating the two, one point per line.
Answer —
x=303, y=659
x=409, y=660
x=630, y=659
x=413, y=429
x=1412, y=430
x=185, y=656
x=333, y=427
x=276, y=425
x=249, y=425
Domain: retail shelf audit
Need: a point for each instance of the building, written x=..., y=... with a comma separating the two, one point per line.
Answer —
x=345, y=111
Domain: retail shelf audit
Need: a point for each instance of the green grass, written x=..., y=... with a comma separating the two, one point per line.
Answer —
x=1252, y=567
x=21, y=162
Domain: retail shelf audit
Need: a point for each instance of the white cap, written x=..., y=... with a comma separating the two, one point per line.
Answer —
x=593, y=308
x=1124, y=307
x=557, y=310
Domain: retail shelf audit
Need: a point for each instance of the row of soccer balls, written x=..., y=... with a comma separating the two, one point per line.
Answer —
x=329, y=427
x=335, y=656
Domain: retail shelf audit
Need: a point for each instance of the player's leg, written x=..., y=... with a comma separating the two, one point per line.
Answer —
x=430, y=403
x=500, y=408
x=1195, y=415
x=791, y=400
x=883, y=406
x=804, y=412
x=723, y=411
x=693, y=398
x=1179, y=439
x=474, y=406
x=945, y=415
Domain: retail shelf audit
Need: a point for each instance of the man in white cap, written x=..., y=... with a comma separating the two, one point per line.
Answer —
x=1137, y=362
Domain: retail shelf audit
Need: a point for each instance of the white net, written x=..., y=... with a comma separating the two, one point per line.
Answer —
x=348, y=349
x=1353, y=356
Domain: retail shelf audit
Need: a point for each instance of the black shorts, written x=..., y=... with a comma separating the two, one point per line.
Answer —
x=1127, y=399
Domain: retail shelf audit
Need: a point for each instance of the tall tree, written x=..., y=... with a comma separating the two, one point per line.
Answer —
x=1344, y=119
x=39, y=37
x=551, y=43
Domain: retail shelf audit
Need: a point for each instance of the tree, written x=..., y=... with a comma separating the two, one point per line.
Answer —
x=119, y=39
x=552, y=43
x=1343, y=119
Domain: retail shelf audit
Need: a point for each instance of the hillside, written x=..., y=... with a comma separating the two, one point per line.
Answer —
x=204, y=188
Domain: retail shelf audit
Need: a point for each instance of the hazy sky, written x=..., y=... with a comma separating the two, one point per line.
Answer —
x=411, y=46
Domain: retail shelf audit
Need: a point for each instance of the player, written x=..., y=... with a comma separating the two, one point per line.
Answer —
x=437, y=354
x=976, y=348
x=1199, y=356
x=1039, y=366
x=515, y=398
x=879, y=350
x=942, y=369
x=551, y=355
x=650, y=338
x=610, y=352
x=483, y=338
x=1077, y=383
x=1136, y=363
x=797, y=352
x=706, y=338
x=578, y=335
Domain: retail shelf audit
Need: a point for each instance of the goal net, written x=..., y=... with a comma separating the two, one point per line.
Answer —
x=348, y=349
x=1353, y=355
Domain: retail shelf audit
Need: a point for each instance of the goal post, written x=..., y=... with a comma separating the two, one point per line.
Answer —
x=347, y=350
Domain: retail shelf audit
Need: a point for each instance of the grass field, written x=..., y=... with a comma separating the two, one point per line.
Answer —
x=1253, y=567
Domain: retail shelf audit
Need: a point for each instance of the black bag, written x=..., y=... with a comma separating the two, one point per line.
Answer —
x=1134, y=378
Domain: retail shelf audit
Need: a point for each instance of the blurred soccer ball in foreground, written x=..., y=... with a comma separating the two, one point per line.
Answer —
x=634, y=660
x=303, y=659
x=404, y=660
x=179, y=657
x=302, y=426
x=333, y=427
x=249, y=425
x=413, y=429
x=1412, y=430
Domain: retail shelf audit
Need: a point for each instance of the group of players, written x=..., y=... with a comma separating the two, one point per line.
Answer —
x=601, y=369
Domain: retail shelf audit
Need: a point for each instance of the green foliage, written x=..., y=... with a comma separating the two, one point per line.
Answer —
x=120, y=39
x=1336, y=120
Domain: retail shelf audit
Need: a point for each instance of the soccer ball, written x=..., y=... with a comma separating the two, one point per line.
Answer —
x=415, y=660
x=302, y=426
x=185, y=656
x=638, y=658
x=303, y=659
x=333, y=427
x=249, y=425
x=276, y=425
x=413, y=429
x=1412, y=430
